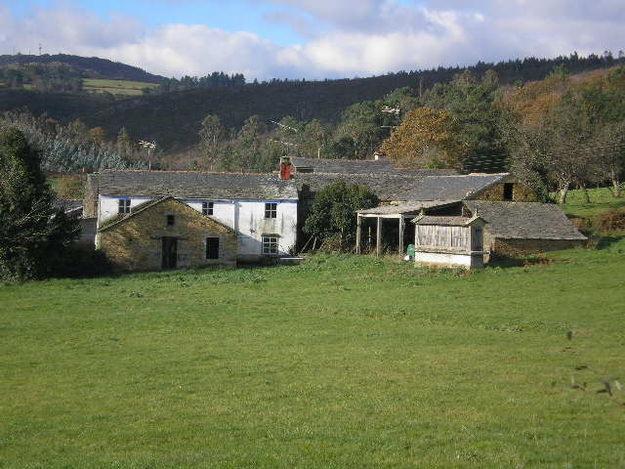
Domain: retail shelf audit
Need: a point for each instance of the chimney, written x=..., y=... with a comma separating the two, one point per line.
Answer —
x=286, y=168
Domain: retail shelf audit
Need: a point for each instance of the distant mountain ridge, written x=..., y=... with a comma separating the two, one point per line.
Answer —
x=92, y=67
x=173, y=118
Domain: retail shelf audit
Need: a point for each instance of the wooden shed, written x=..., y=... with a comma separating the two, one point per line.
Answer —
x=449, y=241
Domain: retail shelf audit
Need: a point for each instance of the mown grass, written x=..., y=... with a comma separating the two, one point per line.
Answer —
x=119, y=87
x=342, y=361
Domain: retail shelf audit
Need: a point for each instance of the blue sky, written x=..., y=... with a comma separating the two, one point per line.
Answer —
x=310, y=38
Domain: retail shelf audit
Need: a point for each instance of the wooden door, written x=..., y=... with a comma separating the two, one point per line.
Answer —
x=170, y=253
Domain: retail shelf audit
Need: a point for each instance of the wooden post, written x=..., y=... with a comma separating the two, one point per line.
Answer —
x=378, y=237
x=402, y=227
x=358, y=233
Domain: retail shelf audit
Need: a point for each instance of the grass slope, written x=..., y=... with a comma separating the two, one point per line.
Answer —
x=342, y=361
x=117, y=87
x=601, y=200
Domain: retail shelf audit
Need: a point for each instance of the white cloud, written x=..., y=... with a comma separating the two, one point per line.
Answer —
x=340, y=38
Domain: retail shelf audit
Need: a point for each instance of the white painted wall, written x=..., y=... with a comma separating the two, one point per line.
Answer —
x=467, y=261
x=246, y=217
x=108, y=206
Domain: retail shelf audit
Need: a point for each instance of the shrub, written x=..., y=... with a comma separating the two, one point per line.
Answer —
x=83, y=261
x=614, y=220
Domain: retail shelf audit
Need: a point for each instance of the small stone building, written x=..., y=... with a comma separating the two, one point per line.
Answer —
x=523, y=227
x=165, y=234
x=449, y=241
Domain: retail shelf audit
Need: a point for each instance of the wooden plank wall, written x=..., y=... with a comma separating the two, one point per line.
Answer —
x=453, y=237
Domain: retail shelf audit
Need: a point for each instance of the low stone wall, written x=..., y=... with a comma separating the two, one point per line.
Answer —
x=525, y=246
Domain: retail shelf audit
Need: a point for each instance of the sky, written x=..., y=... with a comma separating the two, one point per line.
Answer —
x=310, y=39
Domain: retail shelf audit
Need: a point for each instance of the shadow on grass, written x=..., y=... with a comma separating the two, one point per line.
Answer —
x=503, y=261
x=605, y=242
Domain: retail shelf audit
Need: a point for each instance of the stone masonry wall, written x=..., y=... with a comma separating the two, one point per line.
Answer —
x=520, y=193
x=136, y=243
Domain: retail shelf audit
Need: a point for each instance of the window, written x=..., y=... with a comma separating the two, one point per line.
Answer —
x=123, y=206
x=207, y=208
x=270, y=244
x=171, y=220
x=212, y=248
x=271, y=210
x=508, y=191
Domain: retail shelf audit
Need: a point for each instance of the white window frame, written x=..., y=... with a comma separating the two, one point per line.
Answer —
x=208, y=208
x=271, y=210
x=271, y=245
x=123, y=206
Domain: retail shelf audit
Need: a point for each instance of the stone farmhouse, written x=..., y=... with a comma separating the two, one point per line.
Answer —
x=150, y=220
x=137, y=208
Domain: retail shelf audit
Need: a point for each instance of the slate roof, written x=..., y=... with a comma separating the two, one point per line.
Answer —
x=444, y=221
x=407, y=188
x=344, y=166
x=454, y=187
x=192, y=184
x=388, y=187
x=525, y=220
x=406, y=208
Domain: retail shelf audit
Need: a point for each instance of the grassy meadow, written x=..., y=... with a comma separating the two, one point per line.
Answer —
x=601, y=200
x=118, y=87
x=342, y=361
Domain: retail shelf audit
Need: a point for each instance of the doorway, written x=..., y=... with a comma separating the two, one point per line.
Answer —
x=170, y=253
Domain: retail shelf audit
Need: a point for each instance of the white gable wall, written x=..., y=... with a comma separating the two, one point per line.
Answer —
x=246, y=217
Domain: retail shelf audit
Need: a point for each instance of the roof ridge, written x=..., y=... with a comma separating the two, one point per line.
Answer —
x=183, y=171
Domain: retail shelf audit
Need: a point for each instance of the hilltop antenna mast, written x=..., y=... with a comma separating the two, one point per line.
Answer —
x=40, y=49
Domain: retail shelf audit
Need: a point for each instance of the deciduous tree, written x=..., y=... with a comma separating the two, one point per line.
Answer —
x=334, y=211
x=425, y=139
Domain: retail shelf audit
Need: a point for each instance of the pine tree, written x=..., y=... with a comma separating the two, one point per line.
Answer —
x=33, y=234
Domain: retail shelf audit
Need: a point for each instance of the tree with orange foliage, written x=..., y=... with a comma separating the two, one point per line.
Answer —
x=425, y=139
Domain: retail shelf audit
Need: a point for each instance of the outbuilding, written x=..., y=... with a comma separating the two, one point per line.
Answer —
x=449, y=241
x=522, y=227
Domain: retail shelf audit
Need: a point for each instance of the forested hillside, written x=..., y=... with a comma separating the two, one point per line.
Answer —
x=89, y=67
x=173, y=118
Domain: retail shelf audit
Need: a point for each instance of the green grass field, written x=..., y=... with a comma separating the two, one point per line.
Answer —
x=343, y=361
x=118, y=87
x=601, y=200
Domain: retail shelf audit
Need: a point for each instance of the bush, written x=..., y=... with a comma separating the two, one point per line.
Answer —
x=83, y=261
x=611, y=221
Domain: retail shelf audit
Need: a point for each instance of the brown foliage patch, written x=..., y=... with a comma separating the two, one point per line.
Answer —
x=611, y=221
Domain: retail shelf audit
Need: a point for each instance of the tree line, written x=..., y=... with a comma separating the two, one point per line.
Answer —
x=554, y=133
x=52, y=77
x=213, y=80
x=74, y=147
